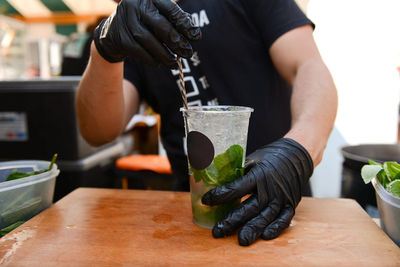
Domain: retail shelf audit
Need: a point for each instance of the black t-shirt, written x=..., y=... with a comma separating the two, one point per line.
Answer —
x=76, y=64
x=230, y=66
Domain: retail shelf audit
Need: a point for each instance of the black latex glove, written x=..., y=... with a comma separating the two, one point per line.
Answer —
x=277, y=174
x=149, y=30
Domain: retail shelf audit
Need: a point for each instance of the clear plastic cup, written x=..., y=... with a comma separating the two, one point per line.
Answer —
x=216, y=138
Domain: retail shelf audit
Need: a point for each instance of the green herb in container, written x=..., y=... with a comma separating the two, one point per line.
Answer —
x=15, y=174
x=388, y=175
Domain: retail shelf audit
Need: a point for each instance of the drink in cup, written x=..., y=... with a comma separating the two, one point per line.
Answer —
x=216, y=138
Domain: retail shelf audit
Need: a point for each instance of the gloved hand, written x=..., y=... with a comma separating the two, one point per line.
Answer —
x=277, y=174
x=150, y=30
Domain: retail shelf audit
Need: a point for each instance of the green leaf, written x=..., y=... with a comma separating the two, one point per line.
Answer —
x=11, y=227
x=368, y=172
x=225, y=168
x=392, y=169
x=16, y=213
x=383, y=179
x=227, y=163
x=371, y=162
x=388, y=175
x=235, y=155
x=198, y=174
x=212, y=175
x=15, y=174
x=206, y=175
x=394, y=188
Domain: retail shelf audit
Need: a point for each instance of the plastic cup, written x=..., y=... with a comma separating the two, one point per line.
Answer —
x=216, y=138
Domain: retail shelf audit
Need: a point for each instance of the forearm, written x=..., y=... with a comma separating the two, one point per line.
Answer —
x=100, y=100
x=156, y=32
x=313, y=107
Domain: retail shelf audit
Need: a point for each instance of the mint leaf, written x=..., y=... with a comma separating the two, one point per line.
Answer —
x=212, y=173
x=368, y=172
x=235, y=155
x=198, y=174
x=381, y=176
x=225, y=168
x=371, y=162
x=228, y=163
x=388, y=175
x=394, y=188
x=392, y=170
x=208, y=175
x=383, y=179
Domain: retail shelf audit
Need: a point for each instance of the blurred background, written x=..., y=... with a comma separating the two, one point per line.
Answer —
x=44, y=50
x=36, y=34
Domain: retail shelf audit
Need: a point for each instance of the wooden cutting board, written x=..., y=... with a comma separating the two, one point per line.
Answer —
x=111, y=227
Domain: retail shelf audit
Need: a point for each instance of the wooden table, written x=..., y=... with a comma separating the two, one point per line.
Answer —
x=111, y=227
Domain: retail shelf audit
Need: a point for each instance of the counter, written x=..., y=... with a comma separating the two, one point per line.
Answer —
x=112, y=227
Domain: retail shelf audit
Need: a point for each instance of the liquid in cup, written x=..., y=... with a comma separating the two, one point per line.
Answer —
x=216, y=146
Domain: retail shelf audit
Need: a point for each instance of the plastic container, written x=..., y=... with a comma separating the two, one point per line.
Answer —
x=389, y=210
x=23, y=198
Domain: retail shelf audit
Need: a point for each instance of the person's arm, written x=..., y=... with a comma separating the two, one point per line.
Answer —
x=105, y=102
x=314, y=96
x=152, y=31
x=277, y=173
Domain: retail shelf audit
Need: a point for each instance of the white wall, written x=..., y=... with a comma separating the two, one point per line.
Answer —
x=43, y=52
x=360, y=43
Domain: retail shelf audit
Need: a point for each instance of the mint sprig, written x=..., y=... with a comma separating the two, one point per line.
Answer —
x=225, y=168
x=388, y=175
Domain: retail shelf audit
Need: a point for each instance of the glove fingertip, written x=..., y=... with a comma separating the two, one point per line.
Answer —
x=244, y=242
x=195, y=34
x=218, y=231
x=207, y=199
x=276, y=228
x=246, y=236
x=270, y=234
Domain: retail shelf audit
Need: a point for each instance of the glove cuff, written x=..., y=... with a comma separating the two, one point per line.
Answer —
x=295, y=163
x=306, y=160
x=98, y=42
